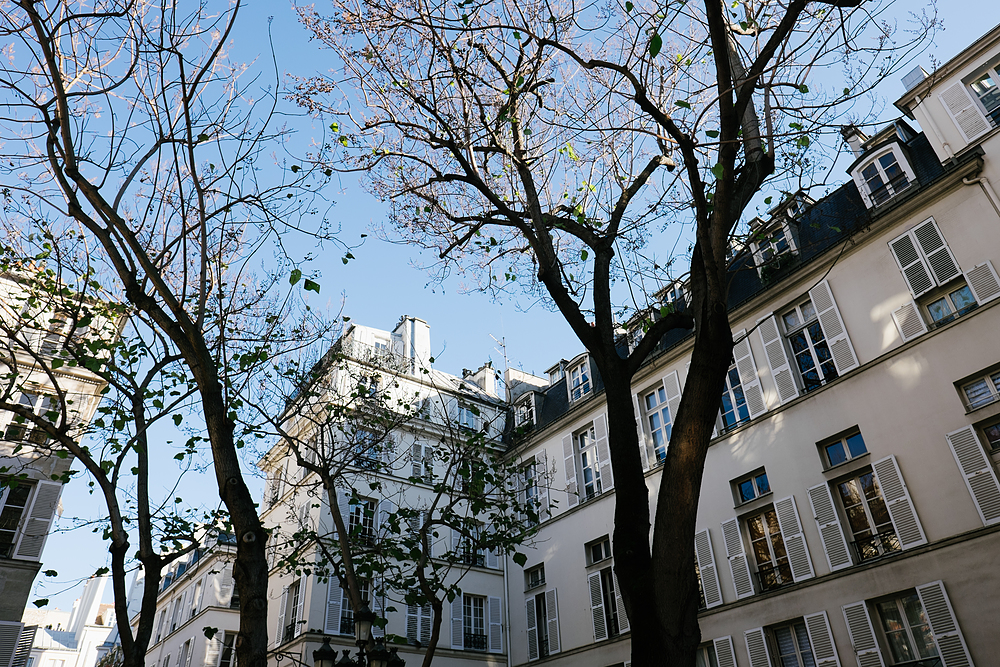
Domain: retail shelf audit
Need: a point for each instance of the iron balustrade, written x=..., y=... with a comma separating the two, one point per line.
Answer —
x=770, y=577
x=472, y=558
x=475, y=641
x=347, y=624
x=876, y=546
x=884, y=193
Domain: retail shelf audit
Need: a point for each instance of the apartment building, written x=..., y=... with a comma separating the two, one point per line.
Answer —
x=850, y=506
x=71, y=639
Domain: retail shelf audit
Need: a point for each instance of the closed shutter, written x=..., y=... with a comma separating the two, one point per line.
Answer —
x=977, y=472
x=757, y=648
x=10, y=632
x=706, y=567
x=939, y=257
x=492, y=560
x=552, y=620
x=859, y=624
x=412, y=623
x=777, y=359
x=344, y=505
x=542, y=484
x=334, y=600
x=725, y=652
x=213, y=650
x=24, y=643
x=190, y=653
x=529, y=612
x=963, y=110
x=279, y=633
x=984, y=282
x=795, y=540
x=385, y=510
x=738, y=564
x=603, y=452
x=941, y=617
x=377, y=607
x=300, y=609
x=417, y=460
x=821, y=640
x=226, y=584
x=569, y=469
x=916, y=273
x=672, y=387
x=496, y=625
x=830, y=530
x=426, y=618
x=623, y=624
x=749, y=379
x=457, y=630
x=38, y=518
x=597, y=607
x=908, y=321
x=898, y=502
x=640, y=424
x=833, y=327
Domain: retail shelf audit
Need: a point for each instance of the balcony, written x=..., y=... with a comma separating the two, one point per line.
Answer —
x=288, y=634
x=770, y=577
x=347, y=624
x=880, y=545
x=475, y=641
x=476, y=559
x=886, y=192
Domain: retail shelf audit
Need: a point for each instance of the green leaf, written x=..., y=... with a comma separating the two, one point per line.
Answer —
x=202, y=137
x=767, y=201
x=335, y=127
x=179, y=456
x=520, y=559
x=178, y=419
x=584, y=255
x=295, y=276
x=803, y=88
x=713, y=134
x=682, y=104
x=517, y=35
x=209, y=631
x=655, y=44
x=847, y=91
x=795, y=126
x=717, y=171
x=312, y=286
x=296, y=168
x=50, y=573
x=520, y=82
x=343, y=141
x=629, y=6
x=101, y=571
x=56, y=363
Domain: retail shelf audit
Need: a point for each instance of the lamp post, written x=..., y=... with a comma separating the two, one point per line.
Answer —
x=370, y=653
x=324, y=656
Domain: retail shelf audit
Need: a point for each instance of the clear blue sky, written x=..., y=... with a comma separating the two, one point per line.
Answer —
x=381, y=284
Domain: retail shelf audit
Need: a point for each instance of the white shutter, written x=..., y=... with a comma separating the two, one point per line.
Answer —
x=226, y=585
x=672, y=387
x=934, y=248
x=749, y=380
x=529, y=611
x=412, y=623
x=859, y=624
x=496, y=625
x=426, y=618
x=542, y=484
x=299, y=609
x=978, y=473
x=37, y=519
x=898, y=502
x=569, y=463
x=738, y=564
x=821, y=639
x=603, y=452
x=725, y=652
x=795, y=540
x=334, y=600
x=984, y=282
x=190, y=653
x=10, y=632
x=916, y=273
x=552, y=620
x=640, y=423
x=623, y=624
x=825, y=512
x=597, y=606
x=417, y=460
x=705, y=556
x=213, y=650
x=941, y=617
x=457, y=629
x=757, y=648
x=279, y=635
x=833, y=327
x=376, y=607
x=344, y=505
x=456, y=541
x=492, y=560
x=777, y=359
x=908, y=321
x=963, y=110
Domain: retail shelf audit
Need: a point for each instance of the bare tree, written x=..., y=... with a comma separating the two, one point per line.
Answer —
x=546, y=145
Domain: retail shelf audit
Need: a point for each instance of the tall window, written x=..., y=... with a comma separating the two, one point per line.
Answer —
x=871, y=527
x=361, y=524
x=196, y=597
x=610, y=604
x=774, y=243
x=525, y=412
x=884, y=178
x=474, y=622
x=43, y=405
x=291, y=606
x=658, y=418
x=467, y=417
x=228, y=657
x=13, y=500
x=531, y=489
x=589, y=465
x=808, y=343
x=986, y=91
x=906, y=629
x=792, y=642
x=768, y=550
x=541, y=625
x=734, y=404
x=347, y=611
x=579, y=377
x=948, y=304
x=705, y=657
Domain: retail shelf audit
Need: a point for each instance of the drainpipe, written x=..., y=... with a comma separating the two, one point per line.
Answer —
x=506, y=592
x=991, y=194
x=937, y=131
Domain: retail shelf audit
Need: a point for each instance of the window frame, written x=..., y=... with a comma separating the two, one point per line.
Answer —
x=776, y=565
x=605, y=544
x=611, y=619
x=993, y=71
x=880, y=541
x=906, y=628
x=5, y=493
x=843, y=440
x=991, y=379
x=585, y=448
x=729, y=392
x=469, y=613
x=804, y=327
x=792, y=626
x=524, y=411
x=361, y=516
x=539, y=581
x=946, y=293
x=874, y=158
x=578, y=380
x=659, y=412
x=754, y=479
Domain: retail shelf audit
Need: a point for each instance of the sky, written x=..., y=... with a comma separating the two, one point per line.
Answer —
x=383, y=283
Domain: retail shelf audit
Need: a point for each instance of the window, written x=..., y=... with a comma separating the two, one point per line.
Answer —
x=985, y=88
x=361, y=523
x=705, y=657
x=793, y=647
x=468, y=417
x=949, y=303
x=13, y=500
x=844, y=449
x=55, y=334
x=579, y=376
x=772, y=244
x=586, y=443
x=537, y=613
x=905, y=627
x=289, y=612
x=524, y=412
x=751, y=487
x=982, y=391
x=599, y=550
x=196, y=597
x=808, y=344
x=347, y=612
x=658, y=420
x=166, y=662
x=884, y=178
x=185, y=653
x=531, y=488
x=992, y=433
x=604, y=600
x=768, y=547
x=474, y=622
x=872, y=528
x=228, y=658
x=20, y=430
x=734, y=404
x=534, y=577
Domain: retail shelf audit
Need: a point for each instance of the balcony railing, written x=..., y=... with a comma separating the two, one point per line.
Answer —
x=543, y=647
x=347, y=624
x=288, y=634
x=770, y=577
x=891, y=189
x=472, y=558
x=475, y=641
x=876, y=546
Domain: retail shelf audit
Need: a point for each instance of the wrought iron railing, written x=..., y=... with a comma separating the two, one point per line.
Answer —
x=889, y=190
x=473, y=558
x=475, y=641
x=876, y=546
x=347, y=624
x=288, y=634
x=770, y=577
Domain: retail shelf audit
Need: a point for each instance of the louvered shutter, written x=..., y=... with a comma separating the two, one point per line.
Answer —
x=640, y=419
x=908, y=321
x=833, y=327
x=529, y=611
x=10, y=632
x=795, y=540
x=542, y=484
x=916, y=273
x=334, y=602
x=492, y=560
x=705, y=556
x=898, y=502
x=213, y=650
x=38, y=519
x=496, y=625
x=344, y=505
x=597, y=606
x=672, y=387
x=279, y=634
x=969, y=120
x=738, y=564
x=941, y=617
x=190, y=653
x=24, y=644
x=939, y=257
x=825, y=512
x=426, y=617
x=757, y=648
x=603, y=452
x=377, y=607
x=456, y=541
x=821, y=639
x=725, y=652
x=978, y=473
x=859, y=625
x=552, y=620
x=777, y=359
x=984, y=282
x=300, y=609
x=226, y=584
x=569, y=463
x=623, y=624
x=749, y=380
x=417, y=460
x=457, y=629
x=412, y=623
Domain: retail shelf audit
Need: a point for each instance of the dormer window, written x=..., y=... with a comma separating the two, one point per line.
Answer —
x=579, y=380
x=773, y=244
x=988, y=94
x=524, y=411
x=882, y=174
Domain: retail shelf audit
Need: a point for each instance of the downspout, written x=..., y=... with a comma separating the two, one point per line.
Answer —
x=937, y=131
x=991, y=194
x=506, y=591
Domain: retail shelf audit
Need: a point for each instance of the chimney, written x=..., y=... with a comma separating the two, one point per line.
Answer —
x=416, y=337
x=486, y=379
x=916, y=75
x=86, y=609
x=854, y=138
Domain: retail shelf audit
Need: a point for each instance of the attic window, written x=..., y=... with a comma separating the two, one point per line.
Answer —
x=525, y=411
x=773, y=244
x=986, y=91
x=884, y=178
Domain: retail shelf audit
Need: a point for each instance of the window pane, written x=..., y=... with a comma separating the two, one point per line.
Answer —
x=939, y=309
x=978, y=393
x=650, y=401
x=762, y=485
x=805, y=649
x=993, y=435
x=856, y=445
x=791, y=320
x=835, y=453
x=808, y=312
x=962, y=298
x=746, y=491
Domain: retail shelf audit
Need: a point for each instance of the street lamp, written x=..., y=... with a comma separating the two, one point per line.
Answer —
x=378, y=656
x=395, y=660
x=363, y=621
x=324, y=656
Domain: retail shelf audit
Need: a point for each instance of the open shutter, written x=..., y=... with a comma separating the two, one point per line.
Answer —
x=334, y=600
x=377, y=607
x=457, y=630
x=738, y=564
x=417, y=460
x=603, y=452
x=597, y=606
x=190, y=643
x=623, y=624
x=552, y=620
x=939, y=257
x=757, y=648
x=963, y=110
x=10, y=632
x=908, y=321
x=569, y=469
x=984, y=282
x=529, y=611
x=38, y=518
x=725, y=652
x=412, y=623
x=898, y=502
x=977, y=472
x=344, y=505
x=213, y=650
x=279, y=634
x=911, y=263
x=833, y=327
x=672, y=387
x=300, y=609
x=542, y=484
x=226, y=585
x=426, y=617
x=795, y=541
x=859, y=624
x=821, y=640
x=706, y=566
x=749, y=380
x=496, y=625
x=777, y=359
x=640, y=419
x=456, y=541
x=492, y=560
x=941, y=617
x=830, y=530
